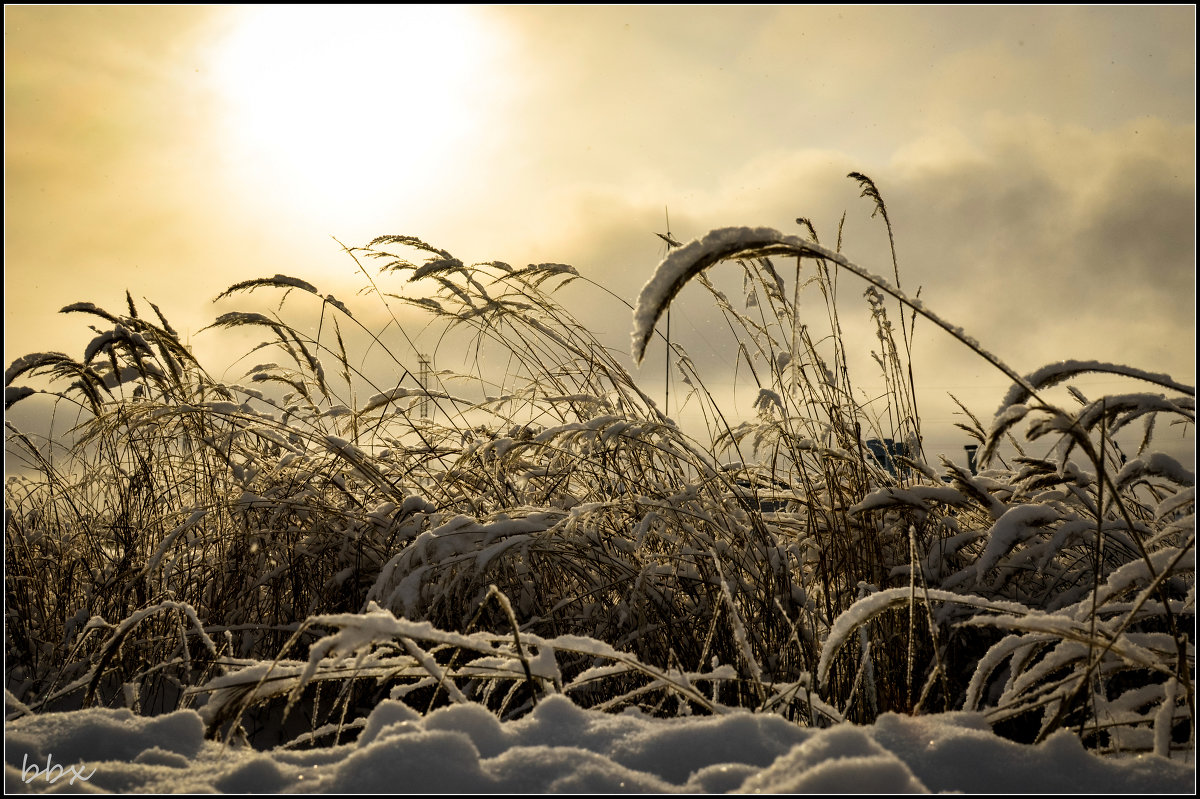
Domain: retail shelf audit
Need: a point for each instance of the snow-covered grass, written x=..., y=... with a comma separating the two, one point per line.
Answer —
x=279, y=562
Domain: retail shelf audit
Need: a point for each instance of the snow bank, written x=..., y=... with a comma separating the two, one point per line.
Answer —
x=561, y=748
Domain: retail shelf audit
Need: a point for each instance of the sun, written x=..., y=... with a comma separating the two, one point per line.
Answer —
x=346, y=104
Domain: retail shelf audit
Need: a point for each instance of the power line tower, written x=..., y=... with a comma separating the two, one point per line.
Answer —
x=424, y=371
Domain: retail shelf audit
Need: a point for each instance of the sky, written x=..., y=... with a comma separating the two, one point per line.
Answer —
x=1038, y=163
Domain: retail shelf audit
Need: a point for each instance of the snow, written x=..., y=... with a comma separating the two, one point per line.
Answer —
x=559, y=747
x=436, y=266
x=1017, y=524
x=279, y=281
x=29, y=362
x=1054, y=373
x=685, y=262
x=14, y=394
x=922, y=497
x=767, y=398
x=695, y=256
x=1156, y=464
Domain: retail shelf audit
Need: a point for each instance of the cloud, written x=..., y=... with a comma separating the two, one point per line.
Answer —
x=1038, y=165
x=1052, y=217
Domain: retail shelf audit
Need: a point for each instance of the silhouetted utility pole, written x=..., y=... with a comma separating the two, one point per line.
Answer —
x=423, y=374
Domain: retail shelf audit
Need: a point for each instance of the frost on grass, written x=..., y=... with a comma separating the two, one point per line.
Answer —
x=1157, y=464
x=14, y=394
x=1016, y=525
x=684, y=263
x=874, y=604
x=922, y=497
x=279, y=281
x=1055, y=373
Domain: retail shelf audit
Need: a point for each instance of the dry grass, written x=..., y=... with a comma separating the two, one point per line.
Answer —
x=312, y=540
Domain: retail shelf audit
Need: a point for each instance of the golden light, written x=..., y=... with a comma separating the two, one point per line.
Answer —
x=345, y=105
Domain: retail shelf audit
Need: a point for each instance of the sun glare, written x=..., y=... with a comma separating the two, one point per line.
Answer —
x=347, y=104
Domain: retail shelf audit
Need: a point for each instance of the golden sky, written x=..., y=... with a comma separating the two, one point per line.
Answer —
x=1038, y=162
